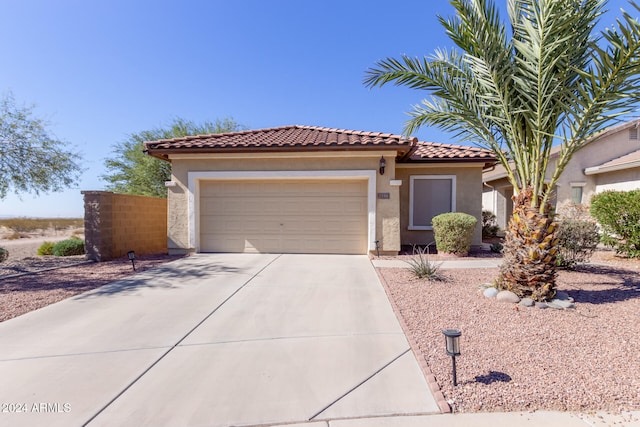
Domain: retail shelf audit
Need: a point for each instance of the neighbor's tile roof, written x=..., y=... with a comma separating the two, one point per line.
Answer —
x=628, y=161
x=281, y=138
x=438, y=151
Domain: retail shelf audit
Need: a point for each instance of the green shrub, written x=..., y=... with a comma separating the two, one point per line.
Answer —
x=454, y=232
x=577, y=239
x=618, y=213
x=422, y=267
x=4, y=254
x=497, y=248
x=46, y=248
x=69, y=247
x=489, y=224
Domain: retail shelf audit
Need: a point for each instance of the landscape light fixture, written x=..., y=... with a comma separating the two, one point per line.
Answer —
x=132, y=258
x=452, y=340
x=383, y=164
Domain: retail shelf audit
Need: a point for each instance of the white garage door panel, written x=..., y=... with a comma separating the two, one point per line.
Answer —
x=325, y=216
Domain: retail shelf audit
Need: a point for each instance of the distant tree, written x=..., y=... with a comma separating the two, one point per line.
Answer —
x=31, y=159
x=131, y=171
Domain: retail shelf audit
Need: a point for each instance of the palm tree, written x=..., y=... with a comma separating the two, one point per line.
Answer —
x=545, y=77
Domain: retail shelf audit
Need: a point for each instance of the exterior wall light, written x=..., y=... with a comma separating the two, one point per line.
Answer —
x=132, y=258
x=452, y=341
x=383, y=164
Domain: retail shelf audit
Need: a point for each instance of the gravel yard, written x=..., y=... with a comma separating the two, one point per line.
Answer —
x=523, y=359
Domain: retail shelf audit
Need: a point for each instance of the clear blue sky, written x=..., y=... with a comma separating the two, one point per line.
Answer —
x=100, y=70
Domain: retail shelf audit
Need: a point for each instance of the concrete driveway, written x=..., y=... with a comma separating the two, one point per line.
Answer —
x=215, y=340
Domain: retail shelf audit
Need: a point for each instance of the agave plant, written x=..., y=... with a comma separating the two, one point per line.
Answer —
x=519, y=87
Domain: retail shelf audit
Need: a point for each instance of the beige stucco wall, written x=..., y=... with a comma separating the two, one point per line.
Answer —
x=387, y=226
x=468, y=197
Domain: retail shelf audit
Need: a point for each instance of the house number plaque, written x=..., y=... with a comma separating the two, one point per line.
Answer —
x=384, y=195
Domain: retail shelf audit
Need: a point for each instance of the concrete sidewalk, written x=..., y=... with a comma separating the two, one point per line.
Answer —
x=215, y=340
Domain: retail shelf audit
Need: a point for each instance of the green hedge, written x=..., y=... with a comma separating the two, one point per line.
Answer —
x=69, y=247
x=454, y=232
x=618, y=213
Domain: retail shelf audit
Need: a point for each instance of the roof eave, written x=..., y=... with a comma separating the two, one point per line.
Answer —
x=599, y=169
x=164, y=153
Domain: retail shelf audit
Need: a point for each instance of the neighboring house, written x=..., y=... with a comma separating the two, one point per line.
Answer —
x=609, y=161
x=304, y=189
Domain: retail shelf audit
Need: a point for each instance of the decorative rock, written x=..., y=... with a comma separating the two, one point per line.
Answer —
x=527, y=302
x=563, y=303
x=490, y=292
x=563, y=296
x=542, y=305
x=552, y=304
x=507, y=296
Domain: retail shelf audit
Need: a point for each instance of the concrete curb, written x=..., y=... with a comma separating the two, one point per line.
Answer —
x=426, y=371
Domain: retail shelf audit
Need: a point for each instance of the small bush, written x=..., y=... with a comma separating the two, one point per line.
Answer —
x=454, y=232
x=69, y=247
x=577, y=239
x=4, y=254
x=618, y=213
x=46, y=248
x=489, y=224
x=422, y=267
x=496, y=248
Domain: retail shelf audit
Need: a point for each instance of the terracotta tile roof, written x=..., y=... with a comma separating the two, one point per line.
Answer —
x=439, y=151
x=310, y=138
x=281, y=138
x=628, y=161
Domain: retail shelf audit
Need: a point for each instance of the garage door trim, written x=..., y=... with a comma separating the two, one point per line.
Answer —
x=195, y=177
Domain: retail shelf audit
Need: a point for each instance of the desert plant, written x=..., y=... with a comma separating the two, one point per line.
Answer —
x=577, y=239
x=618, y=213
x=496, y=248
x=69, y=247
x=517, y=86
x=454, y=232
x=421, y=266
x=489, y=224
x=46, y=248
x=4, y=254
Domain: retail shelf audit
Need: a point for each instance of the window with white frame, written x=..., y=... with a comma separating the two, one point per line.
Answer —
x=430, y=195
x=577, y=189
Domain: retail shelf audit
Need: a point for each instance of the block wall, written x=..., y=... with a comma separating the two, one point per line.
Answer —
x=118, y=223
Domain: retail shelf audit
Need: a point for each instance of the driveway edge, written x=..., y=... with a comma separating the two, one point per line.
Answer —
x=426, y=371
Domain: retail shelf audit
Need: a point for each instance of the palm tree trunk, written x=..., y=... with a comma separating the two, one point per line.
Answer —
x=529, y=264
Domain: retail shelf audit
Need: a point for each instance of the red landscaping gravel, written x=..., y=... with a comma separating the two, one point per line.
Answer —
x=523, y=359
x=19, y=295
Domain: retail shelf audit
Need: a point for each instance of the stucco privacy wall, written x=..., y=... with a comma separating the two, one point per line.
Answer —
x=468, y=197
x=386, y=211
x=118, y=223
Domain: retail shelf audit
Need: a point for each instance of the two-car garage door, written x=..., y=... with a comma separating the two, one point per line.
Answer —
x=284, y=216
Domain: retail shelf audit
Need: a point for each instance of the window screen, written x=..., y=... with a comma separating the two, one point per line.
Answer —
x=431, y=197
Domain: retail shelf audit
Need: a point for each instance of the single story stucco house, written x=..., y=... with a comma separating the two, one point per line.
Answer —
x=305, y=189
